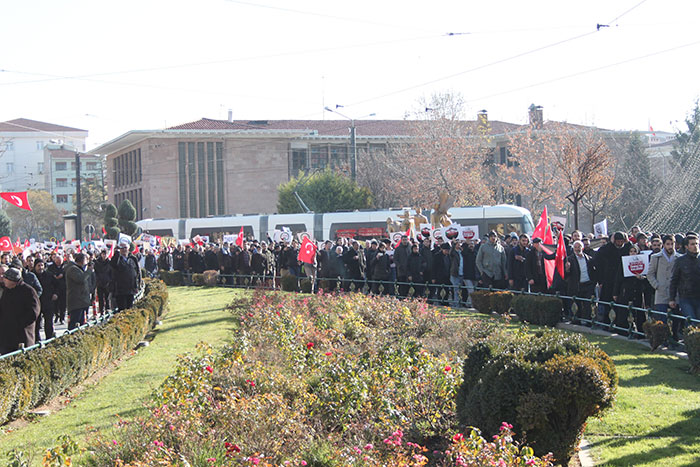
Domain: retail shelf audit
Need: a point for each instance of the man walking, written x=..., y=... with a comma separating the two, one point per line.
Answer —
x=126, y=276
x=19, y=310
x=80, y=280
x=491, y=261
x=685, y=280
x=659, y=276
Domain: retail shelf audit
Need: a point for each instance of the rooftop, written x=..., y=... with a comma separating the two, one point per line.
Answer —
x=25, y=124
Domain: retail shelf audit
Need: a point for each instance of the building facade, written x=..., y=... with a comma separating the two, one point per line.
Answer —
x=22, y=142
x=60, y=173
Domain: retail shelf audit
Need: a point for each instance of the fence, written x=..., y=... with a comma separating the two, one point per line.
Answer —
x=602, y=313
x=90, y=322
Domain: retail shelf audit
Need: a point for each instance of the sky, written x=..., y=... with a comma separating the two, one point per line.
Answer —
x=111, y=67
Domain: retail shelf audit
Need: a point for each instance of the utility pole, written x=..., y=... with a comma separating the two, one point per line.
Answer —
x=353, y=148
x=78, y=219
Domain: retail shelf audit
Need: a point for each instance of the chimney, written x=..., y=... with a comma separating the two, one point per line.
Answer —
x=535, y=116
x=482, y=120
x=230, y=115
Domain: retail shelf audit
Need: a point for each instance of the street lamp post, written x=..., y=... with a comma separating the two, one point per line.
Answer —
x=353, y=140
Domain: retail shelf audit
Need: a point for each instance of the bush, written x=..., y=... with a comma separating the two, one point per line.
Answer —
x=481, y=300
x=171, y=278
x=306, y=286
x=289, y=283
x=692, y=346
x=500, y=302
x=198, y=279
x=37, y=376
x=534, y=309
x=210, y=278
x=547, y=384
x=657, y=332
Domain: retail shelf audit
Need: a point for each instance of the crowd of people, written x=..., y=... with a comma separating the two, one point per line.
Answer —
x=423, y=267
x=47, y=287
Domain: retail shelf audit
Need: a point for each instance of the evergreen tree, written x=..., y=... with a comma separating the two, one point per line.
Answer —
x=635, y=181
x=325, y=191
x=127, y=215
x=111, y=222
x=687, y=143
x=5, y=224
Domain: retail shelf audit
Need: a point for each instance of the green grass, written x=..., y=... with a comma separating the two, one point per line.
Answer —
x=195, y=315
x=656, y=419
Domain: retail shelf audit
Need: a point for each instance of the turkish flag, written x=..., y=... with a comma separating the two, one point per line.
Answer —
x=542, y=226
x=17, y=198
x=561, y=254
x=239, y=238
x=5, y=244
x=307, y=252
x=26, y=243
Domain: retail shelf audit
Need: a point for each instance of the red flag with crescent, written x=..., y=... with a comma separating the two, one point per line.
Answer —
x=307, y=252
x=16, y=198
x=5, y=244
x=239, y=238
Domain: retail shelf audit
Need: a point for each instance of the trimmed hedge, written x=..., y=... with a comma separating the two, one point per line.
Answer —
x=546, y=384
x=486, y=301
x=171, y=277
x=198, y=279
x=657, y=332
x=211, y=277
x=37, y=376
x=692, y=346
x=305, y=285
x=536, y=309
x=289, y=283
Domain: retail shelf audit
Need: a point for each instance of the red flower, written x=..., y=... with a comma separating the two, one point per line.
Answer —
x=457, y=438
x=231, y=449
x=328, y=354
x=209, y=369
x=448, y=368
x=251, y=382
x=310, y=345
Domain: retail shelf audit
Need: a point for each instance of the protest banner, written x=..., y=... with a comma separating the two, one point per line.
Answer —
x=635, y=264
x=470, y=232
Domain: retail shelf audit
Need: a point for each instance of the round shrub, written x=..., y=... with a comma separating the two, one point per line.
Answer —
x=534, y=309
x=481, y=301
x=305, y=285
x=692, y=346
x=657, y=332
x=289, y=283
x=547, y=384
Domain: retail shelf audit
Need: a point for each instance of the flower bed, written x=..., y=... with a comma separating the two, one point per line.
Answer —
x=318, y=381
x=37, y=376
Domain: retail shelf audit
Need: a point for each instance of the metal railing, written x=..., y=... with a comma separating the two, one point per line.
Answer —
x=96, y=320
x=602, y=315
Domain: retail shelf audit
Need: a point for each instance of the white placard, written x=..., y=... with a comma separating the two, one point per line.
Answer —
x=123, y=238
x=395, y=237
x=427, y=228
x=636, y=264
x=601, y=229
x=559, y=222
x=451, y=232
x=205, y=238
x=470, y=232
x=230, y=239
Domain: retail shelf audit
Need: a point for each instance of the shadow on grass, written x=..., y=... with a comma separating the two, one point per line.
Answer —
x=196, y=324
x=685, y=436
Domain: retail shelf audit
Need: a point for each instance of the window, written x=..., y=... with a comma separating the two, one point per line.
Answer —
x=72, y=182
x=40, y=167
x=39, y=145
x=339, y=157
x=10, y=167
x=319, y=157
x=298, y=161
x=61, y=166
x=61, y=182
x=91, y=166
x=9, y=146
x=61, y=198
x=73, y=166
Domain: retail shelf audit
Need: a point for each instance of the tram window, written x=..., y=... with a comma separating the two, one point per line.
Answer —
x=505, y=228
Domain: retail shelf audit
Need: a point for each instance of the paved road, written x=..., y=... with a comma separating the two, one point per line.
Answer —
x=59, y=328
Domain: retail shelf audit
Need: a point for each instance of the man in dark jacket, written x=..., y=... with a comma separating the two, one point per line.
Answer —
x=416, y=269
x=534, y=266
x=607, y=261
x=685, y=280
x=441, y=272
x=79, y=280
x=580, y=278
x=354, y=259
x=48, y=300
x=517, y=256
x=179, y=259
x=126, y=275
x=195, y=261
x=151, y=263
x=211, y=260
x=401, y=253
x=103, y=279
x=165, y=259
x=56, y=268
x=19, y=309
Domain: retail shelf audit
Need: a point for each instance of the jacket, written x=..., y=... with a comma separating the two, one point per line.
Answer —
x=659, y=276
x=355, y=263
x=516, y=269
x=103, y=273
x=19, y=309
x=607, y=261
x=685, y=277
x=401, y=254
x=126, y=274
x=441, y=268
x=573, y=276
x=78, y=286
x=416, y=267
x=491, y=261
x=381, y=267
x=455, y=259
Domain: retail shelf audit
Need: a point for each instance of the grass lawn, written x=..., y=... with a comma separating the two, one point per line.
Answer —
x=656, y=419
x=195, y=315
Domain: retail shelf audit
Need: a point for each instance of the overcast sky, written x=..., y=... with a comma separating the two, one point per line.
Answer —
x=111, y=67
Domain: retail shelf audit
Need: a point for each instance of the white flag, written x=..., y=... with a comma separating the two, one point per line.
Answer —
x=601, y=229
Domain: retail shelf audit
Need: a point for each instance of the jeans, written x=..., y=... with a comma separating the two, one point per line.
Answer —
x=457, y=282
x=470, y=288
x=690, y=307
